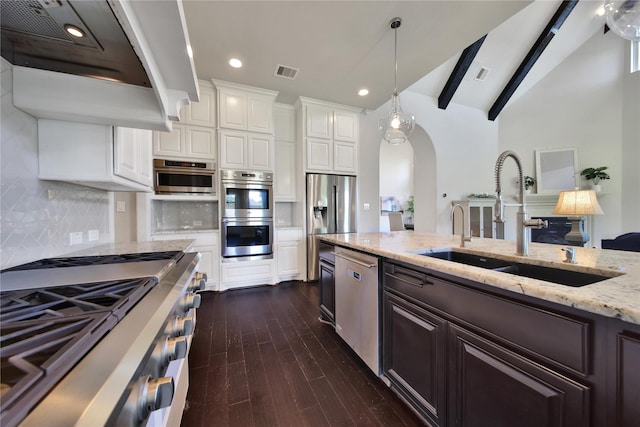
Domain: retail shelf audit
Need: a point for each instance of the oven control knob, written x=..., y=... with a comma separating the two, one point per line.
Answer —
x=157, y=393
x=198, y=284
x=185, y=326
x=190, y=301
x=176, y=348
x=202, y=276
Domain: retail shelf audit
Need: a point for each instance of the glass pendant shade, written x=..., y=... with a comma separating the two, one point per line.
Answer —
x=623, y=17
x=397, y=125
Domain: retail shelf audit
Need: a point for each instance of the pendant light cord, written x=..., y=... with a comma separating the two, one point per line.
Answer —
x=395, y=23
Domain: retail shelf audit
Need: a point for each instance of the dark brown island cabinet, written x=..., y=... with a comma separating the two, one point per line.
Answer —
x=461, y=353
x=327, y=282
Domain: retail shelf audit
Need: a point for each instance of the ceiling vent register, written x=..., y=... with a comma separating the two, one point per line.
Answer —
x=286, y=72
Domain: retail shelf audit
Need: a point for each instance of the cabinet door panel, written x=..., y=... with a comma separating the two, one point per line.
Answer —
x=327, y=284
x=260, y=152
x=288, y=259
x=233, y=146
x=284, y=183
x=345, y=126
x=491, y=386
x=260, y=116
x=199, y=143
x=628, y=380
x=233, y=110
x=126, y=153
x=145, y=156
x=169, y=143
x=203, y=112
x=415, y=356
x=319, y=122
x=344, y=157
x=319, y=154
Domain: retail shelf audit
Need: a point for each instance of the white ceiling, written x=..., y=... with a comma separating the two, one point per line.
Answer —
x=343, y=46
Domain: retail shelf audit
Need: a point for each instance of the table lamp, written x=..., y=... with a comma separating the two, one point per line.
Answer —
x=574, y=204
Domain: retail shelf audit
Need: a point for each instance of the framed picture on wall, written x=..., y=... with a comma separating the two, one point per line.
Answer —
x=556, y=170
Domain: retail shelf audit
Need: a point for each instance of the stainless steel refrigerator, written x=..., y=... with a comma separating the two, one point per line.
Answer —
x=331, y=208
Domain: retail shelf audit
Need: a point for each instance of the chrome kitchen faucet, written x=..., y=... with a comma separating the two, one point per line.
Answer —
x=463, y=238
x=522, y=242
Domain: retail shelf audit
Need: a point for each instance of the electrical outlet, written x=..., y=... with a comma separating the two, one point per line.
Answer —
x=94, y=235
x=75, y=238
x=121, y=206
x=366, y=206
x=197, y=223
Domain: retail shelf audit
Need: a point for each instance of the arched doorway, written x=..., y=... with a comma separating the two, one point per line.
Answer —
x=410, y=170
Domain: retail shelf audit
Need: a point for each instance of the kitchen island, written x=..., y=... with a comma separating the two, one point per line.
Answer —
x=464, y=345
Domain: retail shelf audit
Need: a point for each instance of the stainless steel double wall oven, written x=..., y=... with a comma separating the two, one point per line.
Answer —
x=247, y=215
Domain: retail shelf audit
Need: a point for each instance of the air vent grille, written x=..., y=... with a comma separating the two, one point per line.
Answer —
x=482, y=74
x=31, y=18
x=286, y=72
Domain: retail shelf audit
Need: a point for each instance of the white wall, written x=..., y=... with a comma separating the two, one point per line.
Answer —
x=454, y=154
x=581, y=104
x=37, y=216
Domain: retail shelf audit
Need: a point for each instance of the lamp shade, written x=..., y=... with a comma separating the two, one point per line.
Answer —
x=578, y=202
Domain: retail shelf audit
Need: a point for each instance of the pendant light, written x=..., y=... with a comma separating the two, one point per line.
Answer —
x=623, y=17
x=398, y=125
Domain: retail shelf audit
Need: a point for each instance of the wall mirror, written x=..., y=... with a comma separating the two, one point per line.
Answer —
x=556, y=170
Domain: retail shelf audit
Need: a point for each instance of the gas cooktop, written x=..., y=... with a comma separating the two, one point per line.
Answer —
x=46, y=329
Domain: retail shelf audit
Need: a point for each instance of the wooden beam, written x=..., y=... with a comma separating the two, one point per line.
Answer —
x=463, y=64
x=536, y=51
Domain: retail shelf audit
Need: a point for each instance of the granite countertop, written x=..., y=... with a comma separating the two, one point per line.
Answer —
x=135, y=247
x=617, y=297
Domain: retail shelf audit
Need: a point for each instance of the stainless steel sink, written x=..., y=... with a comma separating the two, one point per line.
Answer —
x=548, y=274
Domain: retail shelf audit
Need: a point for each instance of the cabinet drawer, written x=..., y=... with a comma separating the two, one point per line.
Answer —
x=555, y=337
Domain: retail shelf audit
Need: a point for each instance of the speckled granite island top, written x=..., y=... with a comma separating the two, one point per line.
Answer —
x=135, y=247
x=617, y=297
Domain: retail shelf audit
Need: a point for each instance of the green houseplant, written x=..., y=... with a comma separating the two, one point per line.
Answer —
x=595, y=174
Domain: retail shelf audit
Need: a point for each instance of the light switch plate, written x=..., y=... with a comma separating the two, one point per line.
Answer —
x=94, y=235
x=366, y=206
x=121, y=206
x=75, y=238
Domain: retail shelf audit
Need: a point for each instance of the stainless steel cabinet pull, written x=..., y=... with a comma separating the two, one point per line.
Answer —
x=353, y=260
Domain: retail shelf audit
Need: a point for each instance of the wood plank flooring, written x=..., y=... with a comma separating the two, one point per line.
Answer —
x=260, y=357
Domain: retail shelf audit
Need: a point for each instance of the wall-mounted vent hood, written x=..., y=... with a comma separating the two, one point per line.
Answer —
x=131, y=68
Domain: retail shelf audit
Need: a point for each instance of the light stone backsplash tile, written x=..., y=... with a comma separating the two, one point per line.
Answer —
x=183, y=215
x=37, y=216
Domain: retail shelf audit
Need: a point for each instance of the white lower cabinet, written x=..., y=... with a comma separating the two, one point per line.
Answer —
x=240, y=274
x=288, y=247
x=207, y=245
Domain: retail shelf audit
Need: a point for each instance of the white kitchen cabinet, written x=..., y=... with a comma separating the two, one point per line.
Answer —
x=97, y=156
x=285, y=170
x=185, y=142
x=245, y=108
x=241, y=274
x=245, y=150
x=284, y=175
x=288, y=247
x=203, y=112
x=208, y=247
x=330, y=136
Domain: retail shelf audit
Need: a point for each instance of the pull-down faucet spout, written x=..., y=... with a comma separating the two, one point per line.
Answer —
x=463, y=238
x=523, y=223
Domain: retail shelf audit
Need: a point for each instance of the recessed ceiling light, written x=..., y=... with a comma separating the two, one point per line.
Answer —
x=600, y=11
x=73, y=30
x=235, y=63
x=363, y=92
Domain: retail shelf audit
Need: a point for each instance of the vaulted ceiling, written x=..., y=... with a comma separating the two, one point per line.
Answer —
x=340, y=47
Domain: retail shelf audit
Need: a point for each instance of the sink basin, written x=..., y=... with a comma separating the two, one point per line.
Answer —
x=548, y=274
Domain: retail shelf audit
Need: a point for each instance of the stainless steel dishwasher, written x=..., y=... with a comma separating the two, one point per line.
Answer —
x=356, y=307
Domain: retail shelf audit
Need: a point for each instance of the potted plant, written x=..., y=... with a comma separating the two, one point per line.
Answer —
x=528, y=183
x=595, y=175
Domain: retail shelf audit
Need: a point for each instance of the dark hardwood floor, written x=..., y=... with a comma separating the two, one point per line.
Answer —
x=260, y=357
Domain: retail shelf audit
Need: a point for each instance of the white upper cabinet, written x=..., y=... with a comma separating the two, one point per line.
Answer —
x=195, y=137
x=330, y=136
x=185, y=142
x=245, y=108
x=246, y=126
x=97, y=156
x=285, y=171
x=203, y=112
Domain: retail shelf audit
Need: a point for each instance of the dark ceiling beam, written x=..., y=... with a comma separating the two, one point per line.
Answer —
x=536, y=51
x=458, y=73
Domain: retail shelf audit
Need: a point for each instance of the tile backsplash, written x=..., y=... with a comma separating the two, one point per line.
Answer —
x=36, y=217
x=171, y=216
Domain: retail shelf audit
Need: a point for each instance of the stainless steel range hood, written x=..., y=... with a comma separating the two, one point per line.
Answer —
x=132, y=67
